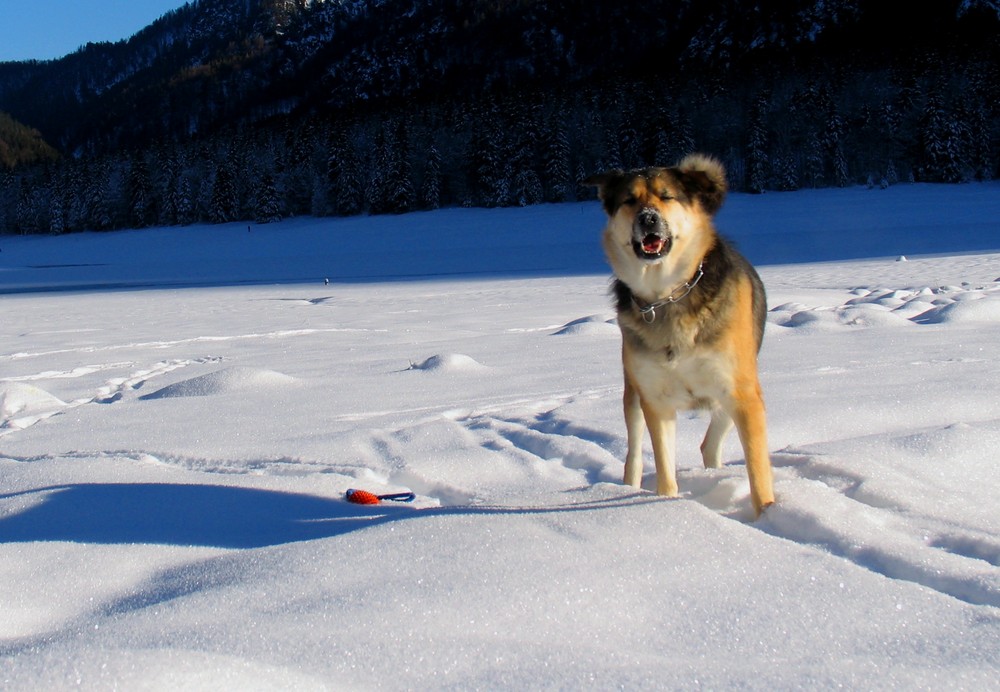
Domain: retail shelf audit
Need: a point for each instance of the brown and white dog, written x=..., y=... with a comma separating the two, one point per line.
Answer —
x=691, y=311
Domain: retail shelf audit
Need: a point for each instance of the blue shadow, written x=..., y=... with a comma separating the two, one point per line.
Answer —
x=180, y=514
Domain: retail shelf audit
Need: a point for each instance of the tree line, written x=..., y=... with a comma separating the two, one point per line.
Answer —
x=935, y=122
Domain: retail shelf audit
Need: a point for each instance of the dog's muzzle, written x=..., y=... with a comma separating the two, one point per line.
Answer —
x=650, y=237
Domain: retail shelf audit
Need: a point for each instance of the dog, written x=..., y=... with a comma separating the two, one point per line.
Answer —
x=691, y=310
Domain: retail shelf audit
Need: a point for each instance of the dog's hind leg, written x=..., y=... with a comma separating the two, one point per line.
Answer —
x=662, y=425
x=711, y=446
x=635, y=428
x=752, y=426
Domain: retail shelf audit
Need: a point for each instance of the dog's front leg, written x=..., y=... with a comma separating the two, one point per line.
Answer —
x=662, y=424
x=635, y=428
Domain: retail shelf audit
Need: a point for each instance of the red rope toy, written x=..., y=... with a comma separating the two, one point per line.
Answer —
x=363, y=497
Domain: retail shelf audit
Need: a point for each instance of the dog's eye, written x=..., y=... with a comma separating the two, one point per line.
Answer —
x=630, y=200
x=665, y=196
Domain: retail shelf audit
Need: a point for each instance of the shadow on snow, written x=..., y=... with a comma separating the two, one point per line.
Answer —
x=209, y=515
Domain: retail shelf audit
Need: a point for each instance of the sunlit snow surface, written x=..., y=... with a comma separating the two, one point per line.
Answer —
x=182, y=410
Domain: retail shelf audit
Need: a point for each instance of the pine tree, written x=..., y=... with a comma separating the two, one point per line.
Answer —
x=267, y=208
x=57, y=208
x=98, y=193
x=383, y=171
x=165, y=187
x=489, y=168
x=673, y=140
x=224, y=203
x=786, y=174
x=813, y=162
x=942, y=138
x=984, y=79
x=683, y=135
x=319, y=202
x=139, y=194
x=832, y=139
x=168, y=207
x=430, y=193
x=757, y=147
x=74, y=188
x=891, y=176
x=185, y=201
x=401, y=196
x=527, y=188
x=25, y=213
x=558, y=186
x=841, y=174
x=349, y=192
x=336, y=151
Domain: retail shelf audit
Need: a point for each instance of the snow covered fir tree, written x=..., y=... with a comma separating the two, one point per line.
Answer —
x=257, y=110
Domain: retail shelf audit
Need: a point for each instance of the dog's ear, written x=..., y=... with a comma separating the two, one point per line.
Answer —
x=704, y=179
x=607, y=185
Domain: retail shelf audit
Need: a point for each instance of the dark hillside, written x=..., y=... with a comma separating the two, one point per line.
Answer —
x=257, y=109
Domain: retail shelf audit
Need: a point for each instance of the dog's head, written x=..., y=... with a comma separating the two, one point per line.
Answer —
x=652, y=210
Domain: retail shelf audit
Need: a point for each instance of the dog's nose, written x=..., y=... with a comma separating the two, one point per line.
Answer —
x=648, y=219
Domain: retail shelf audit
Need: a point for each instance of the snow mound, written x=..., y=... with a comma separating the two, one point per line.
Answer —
x=234, y=379
x=872, y=315
x=592, y=325
x=883, y=307
x=986, y=309
x=449, y=362
x=19, y=402
x=818, y=319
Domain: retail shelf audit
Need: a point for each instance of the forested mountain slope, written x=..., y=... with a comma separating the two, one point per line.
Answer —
x=258, y=109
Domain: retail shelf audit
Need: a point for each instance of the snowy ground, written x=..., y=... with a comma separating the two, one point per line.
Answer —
x=182, y=410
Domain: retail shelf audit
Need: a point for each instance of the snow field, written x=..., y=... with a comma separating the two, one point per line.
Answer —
x=173, y=463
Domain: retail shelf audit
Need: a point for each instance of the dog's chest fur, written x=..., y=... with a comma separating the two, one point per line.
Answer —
x=693, y=381
x=671, y=366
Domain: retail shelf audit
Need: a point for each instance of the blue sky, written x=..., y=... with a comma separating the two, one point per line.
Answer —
x=46, y=29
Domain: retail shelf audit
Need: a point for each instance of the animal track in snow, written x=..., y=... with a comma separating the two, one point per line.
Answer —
x=279, y=334
x=23, y=405
x=537, y=437
x=896, y=520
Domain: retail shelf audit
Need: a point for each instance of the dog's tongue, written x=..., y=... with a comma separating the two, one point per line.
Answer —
x=652, y=244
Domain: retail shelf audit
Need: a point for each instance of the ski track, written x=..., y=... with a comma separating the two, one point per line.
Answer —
x=822, y=504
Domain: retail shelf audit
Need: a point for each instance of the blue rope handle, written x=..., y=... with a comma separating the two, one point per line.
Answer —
x=399, y=497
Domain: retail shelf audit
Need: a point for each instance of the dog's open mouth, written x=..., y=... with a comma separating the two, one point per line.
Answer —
x=651, y=246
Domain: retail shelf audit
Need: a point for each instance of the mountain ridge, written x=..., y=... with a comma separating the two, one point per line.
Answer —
x=490, y=102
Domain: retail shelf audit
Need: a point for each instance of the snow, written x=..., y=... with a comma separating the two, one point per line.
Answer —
x=182, y=411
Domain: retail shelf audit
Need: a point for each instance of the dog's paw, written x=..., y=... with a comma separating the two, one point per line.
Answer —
x=759, y=511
